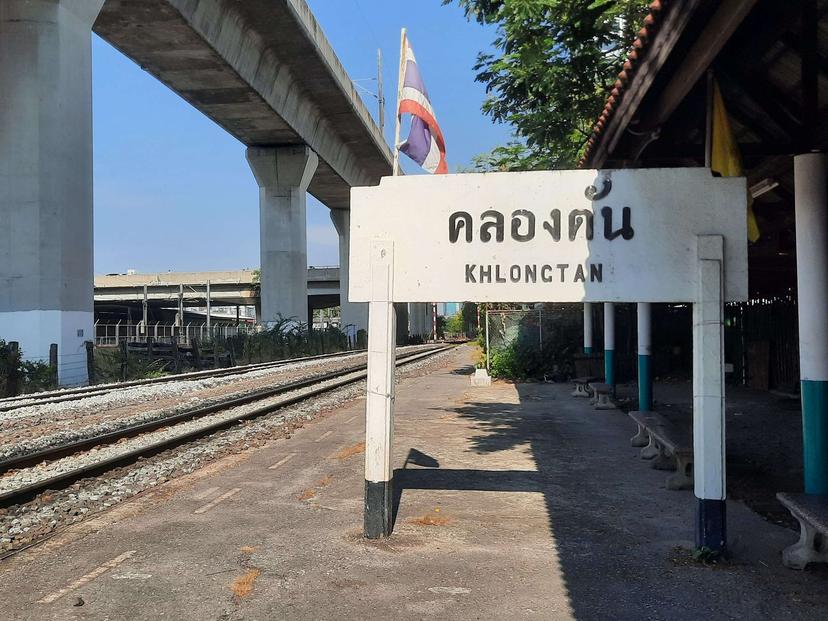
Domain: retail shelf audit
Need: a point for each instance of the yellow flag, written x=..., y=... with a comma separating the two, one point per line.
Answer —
x=725, y=158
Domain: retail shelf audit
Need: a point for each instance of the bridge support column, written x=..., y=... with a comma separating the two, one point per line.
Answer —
x=353, y=315
x=419, y=319
x=283, y=175
x=46, y=180
x=811, y=198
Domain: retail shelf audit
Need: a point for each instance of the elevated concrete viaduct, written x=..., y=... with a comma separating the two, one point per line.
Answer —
x=261, y=69
x=226, y=288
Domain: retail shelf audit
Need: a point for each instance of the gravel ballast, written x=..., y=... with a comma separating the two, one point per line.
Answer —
x=20, y=525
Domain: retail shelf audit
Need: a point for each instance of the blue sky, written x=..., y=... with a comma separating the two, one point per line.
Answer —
x=173, y=190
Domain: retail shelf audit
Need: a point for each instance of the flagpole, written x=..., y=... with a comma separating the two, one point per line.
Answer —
x=400, y=78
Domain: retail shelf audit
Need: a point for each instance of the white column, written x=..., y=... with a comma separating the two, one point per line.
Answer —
x=283, y=175
x=46, y=179
x=708, y=395
x=354, y=315
x=609, y=344
x=379, y=404
x=811, y=193
x=645, y=372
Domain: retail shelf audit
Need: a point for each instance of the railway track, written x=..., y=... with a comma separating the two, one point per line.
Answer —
x=290, y=393
x=12, y=403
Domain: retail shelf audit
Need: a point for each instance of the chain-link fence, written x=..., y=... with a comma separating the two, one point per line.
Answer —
x=533, y=343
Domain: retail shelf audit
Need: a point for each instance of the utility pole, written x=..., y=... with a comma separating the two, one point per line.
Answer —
x=380, y=97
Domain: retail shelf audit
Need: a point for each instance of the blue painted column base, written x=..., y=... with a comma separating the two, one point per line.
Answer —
x=645, y=384
x=587, y=350
x=711, y=525
x=815, y=436
x=609, y=368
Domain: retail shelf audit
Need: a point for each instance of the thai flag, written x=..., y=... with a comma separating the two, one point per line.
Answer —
x=425, y=144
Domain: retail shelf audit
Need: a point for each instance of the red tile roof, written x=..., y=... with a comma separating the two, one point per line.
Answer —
x=637, y=53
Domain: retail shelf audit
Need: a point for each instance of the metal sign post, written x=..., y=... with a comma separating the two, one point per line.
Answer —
x=662, y=235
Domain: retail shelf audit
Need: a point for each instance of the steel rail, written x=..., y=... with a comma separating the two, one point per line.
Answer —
x=336, y=379
x=12, y=403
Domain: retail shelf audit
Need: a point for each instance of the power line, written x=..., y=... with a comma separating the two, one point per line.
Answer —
x=367, y=23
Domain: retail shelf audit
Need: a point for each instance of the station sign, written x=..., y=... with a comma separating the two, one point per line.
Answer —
x=550, y=236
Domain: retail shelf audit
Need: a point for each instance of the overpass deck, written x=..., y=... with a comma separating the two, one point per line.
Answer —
x=265, y=72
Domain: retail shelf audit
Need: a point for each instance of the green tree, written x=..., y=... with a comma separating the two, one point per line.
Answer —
x=557, y=62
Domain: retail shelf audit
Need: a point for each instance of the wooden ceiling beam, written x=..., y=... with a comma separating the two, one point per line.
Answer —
x=707, y=46
x=761, y=94
x=716, y=33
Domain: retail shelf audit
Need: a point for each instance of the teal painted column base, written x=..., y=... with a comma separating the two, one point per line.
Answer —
x=587, y=350
x=645, y=384
x=609, y=368
x=815, y=435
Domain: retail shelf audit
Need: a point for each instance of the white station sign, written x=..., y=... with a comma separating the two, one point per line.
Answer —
x=552, y=236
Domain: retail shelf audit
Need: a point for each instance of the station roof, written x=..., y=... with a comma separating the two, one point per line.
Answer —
x=770, y=60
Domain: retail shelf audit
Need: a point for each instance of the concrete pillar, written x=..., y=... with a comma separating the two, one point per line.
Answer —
x=645, y=372
x=379, y=403
x=401, y=314
x=587, y=327
x=708, y=396
x=419, y=319
x=609, y=344
x=283, y=175
x=46, y=179
x=353, y=315
x=811, y=210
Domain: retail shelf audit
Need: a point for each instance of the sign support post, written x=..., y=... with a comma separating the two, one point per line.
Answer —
x=379, y=410
x=708, y=396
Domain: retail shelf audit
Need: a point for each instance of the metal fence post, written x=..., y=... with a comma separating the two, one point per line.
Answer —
x=488, y=358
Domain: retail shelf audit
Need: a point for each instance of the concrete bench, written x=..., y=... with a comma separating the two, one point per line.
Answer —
x=582, y=388
x=669, y=446
x=602, y=396
x=811, y=511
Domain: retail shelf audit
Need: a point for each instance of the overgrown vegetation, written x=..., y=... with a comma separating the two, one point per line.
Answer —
x=285, y=339
x=109, y=366
x=528, y=353
x=556, y=64
x=18, y=376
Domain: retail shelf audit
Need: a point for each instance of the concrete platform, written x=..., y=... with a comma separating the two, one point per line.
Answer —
x=516, y=501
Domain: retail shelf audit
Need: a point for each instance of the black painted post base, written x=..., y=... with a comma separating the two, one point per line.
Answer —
x=378, y=509
x=711, y=525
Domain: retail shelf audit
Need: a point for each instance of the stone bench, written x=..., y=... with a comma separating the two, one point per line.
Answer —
x=811, y=511
x=581, y=388
x=602, y=398
x=669, y=446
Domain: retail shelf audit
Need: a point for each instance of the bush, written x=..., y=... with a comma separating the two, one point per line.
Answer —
x=523, y=357
x=108, y=366
x=30, y=376
x=286, y=339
